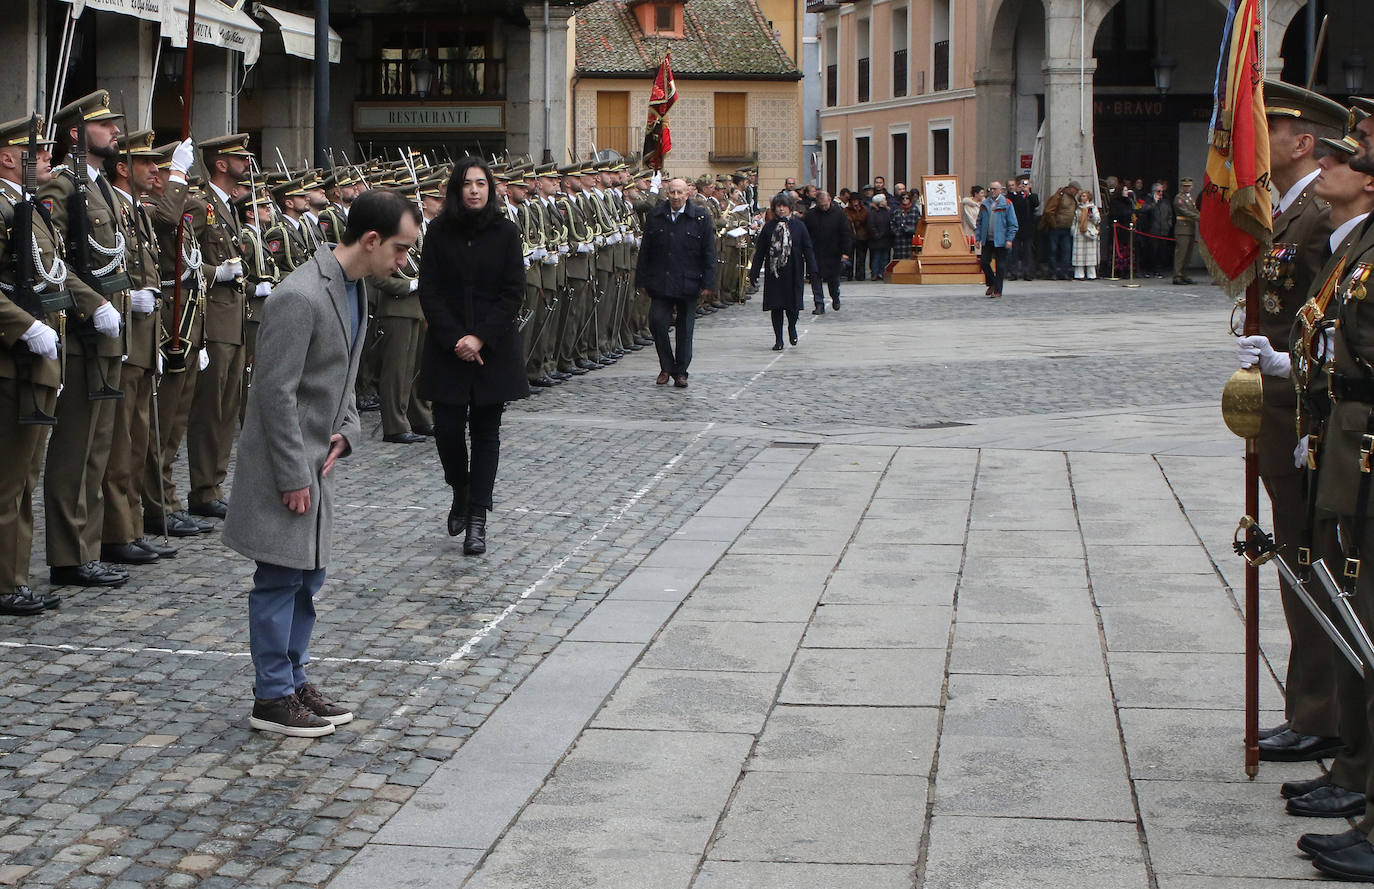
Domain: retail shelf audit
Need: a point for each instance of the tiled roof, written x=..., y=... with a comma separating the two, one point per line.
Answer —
x=721, y=38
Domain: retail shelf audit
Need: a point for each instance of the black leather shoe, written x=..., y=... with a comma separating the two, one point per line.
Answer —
x=1291, y=789
x=403, y=438
x=588, y=365
x=476, y=541
x=20, y=602
x=201, y=525
x=1289, y=746
x=777, y=347
x=215, y=509
x=634, y=347
x=49, y=601
x=426, y=429
x=1271, y=732
x=179, y=524
x=542, y=383
x=792, y=337
x=126, y=554
x=645, y=340
x=160, y=550
x=1320, y=843
x=369, y=403
x=835, y=301
x=818, y=310
x=89, y=574
x=1327, y=802
x=559, y=375
x=1353, y=864
x=458, y=513
x=575, y=371
x=117, y=570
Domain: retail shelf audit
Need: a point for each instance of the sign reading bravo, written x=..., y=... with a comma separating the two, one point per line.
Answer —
x=427, y=117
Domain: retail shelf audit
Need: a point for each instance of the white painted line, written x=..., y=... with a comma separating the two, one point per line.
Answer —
x=769, y=366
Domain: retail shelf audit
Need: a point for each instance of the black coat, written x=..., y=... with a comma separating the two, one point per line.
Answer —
x=677, y=260
x=831, y=237
x=786, y=290
x=879, y=228
x=472, y=284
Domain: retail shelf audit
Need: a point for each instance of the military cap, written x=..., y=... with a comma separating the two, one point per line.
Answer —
x=260, y=198
x=1347, y=145
x=16, y=132
x=702, y=182
x=544, y=171
x=1186, y=182
x=1286, y=100
x=1365, y=105
x=516, y=177
x=92, y=107
x=140, y=144
x=291, y=188
x=1357, y=116
x=234, y=143
x=313, y=180
x=722, y=179
x=738, y=176
x=432, y=187
x=164, y=153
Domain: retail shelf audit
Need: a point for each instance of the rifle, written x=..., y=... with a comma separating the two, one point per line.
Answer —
x=25, y=295
x=79, y=242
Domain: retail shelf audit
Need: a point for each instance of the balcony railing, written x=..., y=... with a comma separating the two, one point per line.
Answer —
x=940, y=79
x=451, y=79
x=626, y=140
x=734, y=145
x=863, y=80
x=832, y=85
x=899, y=73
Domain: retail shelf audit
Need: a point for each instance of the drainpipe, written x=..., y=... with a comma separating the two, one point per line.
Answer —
x=548, y=59
x=572, y=99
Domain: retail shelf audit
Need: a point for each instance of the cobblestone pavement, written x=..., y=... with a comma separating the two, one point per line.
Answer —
x=125, y=760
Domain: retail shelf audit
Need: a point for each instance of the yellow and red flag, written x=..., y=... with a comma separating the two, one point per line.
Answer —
x=657, y=140
x=1236, y=216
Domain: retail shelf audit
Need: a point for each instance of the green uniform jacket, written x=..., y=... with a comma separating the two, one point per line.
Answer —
x=14, y=321
x=105, y=224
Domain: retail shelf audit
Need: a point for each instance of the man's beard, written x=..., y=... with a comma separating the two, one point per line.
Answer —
x=103, y=152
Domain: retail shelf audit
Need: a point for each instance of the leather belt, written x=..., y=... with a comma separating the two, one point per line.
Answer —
x=1347, y=388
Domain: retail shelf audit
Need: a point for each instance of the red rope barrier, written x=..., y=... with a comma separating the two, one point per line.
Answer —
x=1143, y=234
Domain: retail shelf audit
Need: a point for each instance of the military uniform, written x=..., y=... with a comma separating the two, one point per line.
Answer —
x=219, y=387
x=1185, y=231
x=79, y=449
x=122, y=540
x=576, y=299
x=401, y=324
x=28, y=381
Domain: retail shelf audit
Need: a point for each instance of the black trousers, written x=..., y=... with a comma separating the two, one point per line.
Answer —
x=860, y=257
x=994, y=262
x=453, y=423
x=661, y=314
x=818, y=295
x=791, y=323
x=1022, y=260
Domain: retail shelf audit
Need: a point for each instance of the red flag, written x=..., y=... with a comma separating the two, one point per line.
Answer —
x=657, y=140
x=1236, y=221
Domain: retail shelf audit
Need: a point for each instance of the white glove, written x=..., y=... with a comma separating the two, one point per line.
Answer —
x=107, y=320
x=538, y=254
x=159, y=362
x=585, y=248
x=599, y=241
x=143, y=301
x=527, y=263
x=228, y=270
x=1300, y=454
x=550, y=258
x=657, y=182
x=563, y=250
x=1255, y=350
x=264, y=288
x=414, y=285
x=204, y=359
x=41, y=340
x=1326, y=349
x=183, y=156
x=613, y=239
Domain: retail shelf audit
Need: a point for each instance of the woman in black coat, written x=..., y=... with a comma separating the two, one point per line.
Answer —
x=784, y=246
x=472, y=279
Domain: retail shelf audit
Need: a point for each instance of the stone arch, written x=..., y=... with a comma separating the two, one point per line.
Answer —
x=995, y=80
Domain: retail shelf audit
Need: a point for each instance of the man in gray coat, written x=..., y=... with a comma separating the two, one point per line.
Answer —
x=301, y=418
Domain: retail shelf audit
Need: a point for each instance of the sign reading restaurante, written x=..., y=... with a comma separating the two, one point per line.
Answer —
x=391, y=116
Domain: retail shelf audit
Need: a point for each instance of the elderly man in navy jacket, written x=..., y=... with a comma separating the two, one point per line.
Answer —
x=677, y=266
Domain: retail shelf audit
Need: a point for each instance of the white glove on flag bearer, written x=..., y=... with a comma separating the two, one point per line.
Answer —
x=1255, y=350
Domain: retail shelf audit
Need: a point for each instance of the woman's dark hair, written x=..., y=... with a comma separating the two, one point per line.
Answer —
x=782, y=198
x=973, y=192
x=454, y=211
x=378, y=210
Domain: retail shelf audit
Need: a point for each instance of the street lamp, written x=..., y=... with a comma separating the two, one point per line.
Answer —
x=1164, y=73
x=1354, y=74
x=173, y=64
x=422, y=69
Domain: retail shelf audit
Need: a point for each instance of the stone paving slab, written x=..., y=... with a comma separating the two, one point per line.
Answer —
x=848, y=740
x=1015, y=853
x=862, y=677
x=775, y=875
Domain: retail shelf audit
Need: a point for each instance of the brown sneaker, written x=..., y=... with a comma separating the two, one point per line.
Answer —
x=323, y=707
x=288, y=716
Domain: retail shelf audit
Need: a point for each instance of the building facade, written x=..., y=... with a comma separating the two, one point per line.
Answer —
x=1065, y=89
x=739, y=89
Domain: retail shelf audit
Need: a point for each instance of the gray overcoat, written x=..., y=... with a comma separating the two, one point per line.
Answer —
x=302, y=393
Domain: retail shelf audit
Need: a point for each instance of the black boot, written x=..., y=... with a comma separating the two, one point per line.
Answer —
x=458, y=512
x=476, y=542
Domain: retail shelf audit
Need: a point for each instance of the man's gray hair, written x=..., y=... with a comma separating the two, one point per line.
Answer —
x=880, y=199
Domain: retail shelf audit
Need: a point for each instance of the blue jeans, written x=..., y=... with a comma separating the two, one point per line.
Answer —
x=281, y=616
x=878, y=258
x=1061, y=251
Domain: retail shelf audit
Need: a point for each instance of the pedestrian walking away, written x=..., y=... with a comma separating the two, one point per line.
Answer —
x=996, y=231
x=832, y=239
x=676, y=267
x=786, y=259
x=472, y=281
x=301, y=419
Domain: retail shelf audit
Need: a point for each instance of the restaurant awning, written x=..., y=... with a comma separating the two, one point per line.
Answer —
x=148, y=10
x=298, y=33
x=217, y=24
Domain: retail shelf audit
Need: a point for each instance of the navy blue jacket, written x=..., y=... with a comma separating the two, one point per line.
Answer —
x=677, y=259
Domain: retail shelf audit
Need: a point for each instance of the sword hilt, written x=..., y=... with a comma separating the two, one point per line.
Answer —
x=1255, y=540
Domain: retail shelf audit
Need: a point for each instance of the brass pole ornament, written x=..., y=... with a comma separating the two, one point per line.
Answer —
x=1242, y=402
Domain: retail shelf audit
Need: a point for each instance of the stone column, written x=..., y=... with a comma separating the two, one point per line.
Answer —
x=212, y=112
x=519, y=91
x=996, y=151
x=124, y=64
x=22, y=69
x=286, y=89
x=555, y=40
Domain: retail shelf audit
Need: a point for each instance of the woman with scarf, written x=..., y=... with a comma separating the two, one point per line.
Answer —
x=784, y=253
x=472, y=280
x=1087, y=222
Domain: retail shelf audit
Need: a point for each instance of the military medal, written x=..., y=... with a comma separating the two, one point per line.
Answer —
x=1356, y=289
x=209, y=214
x=1271, y=302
